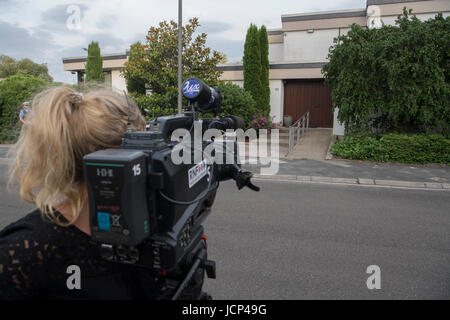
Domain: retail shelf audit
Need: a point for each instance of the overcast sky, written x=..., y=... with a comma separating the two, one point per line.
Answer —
x=38, y=29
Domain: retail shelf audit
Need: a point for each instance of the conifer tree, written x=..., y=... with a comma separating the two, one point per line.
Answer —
x=264, y=45
x=252, y=66
x=94, y=63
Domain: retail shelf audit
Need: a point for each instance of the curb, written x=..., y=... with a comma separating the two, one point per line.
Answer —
x=356, y=181
x=334, y=180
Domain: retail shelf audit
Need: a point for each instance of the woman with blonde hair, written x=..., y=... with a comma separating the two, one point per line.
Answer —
x=42, y=254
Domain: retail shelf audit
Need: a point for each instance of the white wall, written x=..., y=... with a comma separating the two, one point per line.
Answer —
x=301, y=45
x=338, y=128
x=118, y=82
x=276, y=100
x=275, y=51
x=240, y=83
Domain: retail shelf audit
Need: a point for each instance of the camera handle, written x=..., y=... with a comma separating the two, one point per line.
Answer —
x=197, y=261
x=233, y=171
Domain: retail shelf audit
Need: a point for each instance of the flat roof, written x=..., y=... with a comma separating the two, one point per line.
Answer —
x=324, y=15
x=275, y=65
x=112, y=56
x=376, y=2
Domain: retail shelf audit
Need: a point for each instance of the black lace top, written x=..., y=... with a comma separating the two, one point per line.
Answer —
x=35, y=260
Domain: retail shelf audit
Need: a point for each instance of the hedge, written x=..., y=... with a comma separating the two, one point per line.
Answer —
x=393, y=147
x=14, y=91
x=393, y=79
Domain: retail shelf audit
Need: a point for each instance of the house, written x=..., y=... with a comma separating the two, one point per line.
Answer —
x=112, y=64
x=297, y=52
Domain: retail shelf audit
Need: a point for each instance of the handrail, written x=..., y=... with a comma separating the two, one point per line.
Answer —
x=298, y=130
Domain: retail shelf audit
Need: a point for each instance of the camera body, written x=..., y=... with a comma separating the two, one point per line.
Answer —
x=129, y=214
x=148, y=211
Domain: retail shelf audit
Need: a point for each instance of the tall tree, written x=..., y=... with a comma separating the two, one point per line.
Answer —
x=264, y=44
x=252, y=66
x=94, y=63
x=25, y=67
x=156, y=60
x=154, y=64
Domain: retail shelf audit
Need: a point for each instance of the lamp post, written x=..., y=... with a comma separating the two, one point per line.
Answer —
x=180, y=52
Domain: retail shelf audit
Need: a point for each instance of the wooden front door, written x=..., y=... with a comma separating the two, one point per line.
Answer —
x=301, y=96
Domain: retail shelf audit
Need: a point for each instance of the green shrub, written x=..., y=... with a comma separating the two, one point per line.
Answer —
x=157, y=105
x=395, y=78
x=14, y=91
x=238, y=102
x=393, y=147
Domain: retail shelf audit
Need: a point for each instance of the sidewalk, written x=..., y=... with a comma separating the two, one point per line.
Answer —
x=313, y=146
x=360, y=172
x=343, y=171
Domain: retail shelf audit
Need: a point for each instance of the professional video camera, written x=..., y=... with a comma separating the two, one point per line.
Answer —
x=148, y=211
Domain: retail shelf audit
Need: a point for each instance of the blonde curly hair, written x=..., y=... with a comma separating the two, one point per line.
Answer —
x=63, y=127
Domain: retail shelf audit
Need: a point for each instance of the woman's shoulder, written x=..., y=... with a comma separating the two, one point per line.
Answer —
x=21, y=250
x=34, y=250
x=31, y=222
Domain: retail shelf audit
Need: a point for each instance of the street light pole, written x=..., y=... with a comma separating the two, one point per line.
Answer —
x=180, y=53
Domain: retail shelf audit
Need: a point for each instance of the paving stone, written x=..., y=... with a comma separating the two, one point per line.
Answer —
x=365, y=181
x=433, y=185
x=396, y=183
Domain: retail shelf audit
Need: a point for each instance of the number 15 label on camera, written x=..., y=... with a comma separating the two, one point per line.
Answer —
x=196, y=173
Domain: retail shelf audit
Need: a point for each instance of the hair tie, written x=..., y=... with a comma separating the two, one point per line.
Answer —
x=75, y=99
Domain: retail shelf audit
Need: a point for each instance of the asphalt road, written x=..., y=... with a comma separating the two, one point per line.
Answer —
x=315, y=241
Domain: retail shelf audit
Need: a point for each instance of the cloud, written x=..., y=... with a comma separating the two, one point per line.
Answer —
x=37, y=29
x=20, y=43
x=211, y=27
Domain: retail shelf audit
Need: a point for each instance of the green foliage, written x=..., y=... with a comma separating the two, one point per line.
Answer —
x=14, y=91
x=235, y=101
x=155, y=63
x=395, y=78
x=252, y=65
x=26, y=67
x=94, y=63
x=157, y=104
x=392, y=147
x=264, y=45
x=238, y=102
x=135, y=83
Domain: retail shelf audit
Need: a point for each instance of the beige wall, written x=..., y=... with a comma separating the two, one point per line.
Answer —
x=107, y=64
x=275, y=38
x=431, y=6
x=277, y=74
